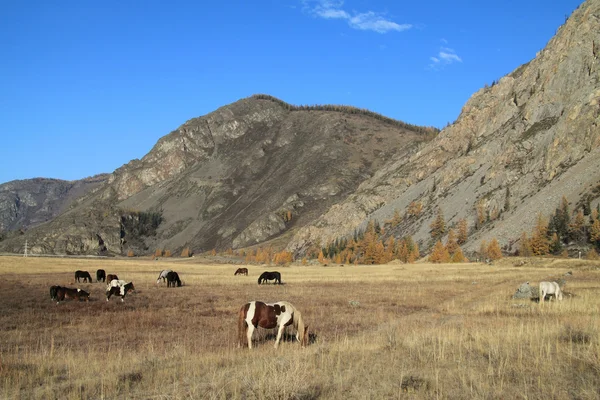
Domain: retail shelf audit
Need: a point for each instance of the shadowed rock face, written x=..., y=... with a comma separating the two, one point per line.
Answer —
x=26, y=203
x=246, y=173
x=515, y=150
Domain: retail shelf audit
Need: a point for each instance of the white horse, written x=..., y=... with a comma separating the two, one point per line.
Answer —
x=269, y=316
x=550, y=288
x=163, y=275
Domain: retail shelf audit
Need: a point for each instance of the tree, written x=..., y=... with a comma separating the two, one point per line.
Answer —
x=462, y=231
x=540, y=245
x=451, y=243
x=493, y=250
x=483, y=246
x=555, y=244
x=559, y=222
x=396, y=219
x=458, y=256
x=525, y=246
x=577, y=228
x=481, y=216
x=439, y=254
x=438, y=225
x=595, y=232
x=414, y=209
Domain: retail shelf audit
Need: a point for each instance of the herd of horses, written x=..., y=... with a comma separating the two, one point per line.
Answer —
x=252, y=315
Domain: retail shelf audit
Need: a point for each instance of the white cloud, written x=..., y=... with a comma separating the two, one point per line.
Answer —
x=445, y=56
x=366, y=21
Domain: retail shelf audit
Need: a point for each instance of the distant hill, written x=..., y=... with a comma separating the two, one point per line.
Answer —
x=251, y=171
x=29, y=202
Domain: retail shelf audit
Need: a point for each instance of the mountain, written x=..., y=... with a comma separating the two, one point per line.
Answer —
x=517, y=147
x=29, y=202
x=251, y=171
x=262, y=171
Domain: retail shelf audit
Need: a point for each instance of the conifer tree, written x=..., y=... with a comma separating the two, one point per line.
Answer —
x=493, y=251
x=451, y=243
x=439, y=254
x=458, y=256
x=540, y=245
x=438, y=225
x=525, y=246
x=483, y=248
x=462, y=231
x=577, y=228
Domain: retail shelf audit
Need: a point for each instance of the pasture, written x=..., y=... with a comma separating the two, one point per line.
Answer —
x=387, y=331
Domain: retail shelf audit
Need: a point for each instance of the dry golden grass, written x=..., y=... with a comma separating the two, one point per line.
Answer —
x=391, y=331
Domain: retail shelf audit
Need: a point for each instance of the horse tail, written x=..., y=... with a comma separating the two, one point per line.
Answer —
x=299, y=325
x=241, y=325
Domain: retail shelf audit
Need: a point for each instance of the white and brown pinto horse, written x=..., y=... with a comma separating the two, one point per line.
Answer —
x=163, y=275
x=119, y=288
x=268, y=316
x=550, y=288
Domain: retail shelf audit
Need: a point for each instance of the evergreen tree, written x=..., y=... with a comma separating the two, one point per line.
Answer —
x=525, y=246
x=577, y=228
x=438, y=225
x=451, y=243
x=540, y=245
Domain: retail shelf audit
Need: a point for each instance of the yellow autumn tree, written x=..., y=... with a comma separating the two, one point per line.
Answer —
x=463, y=231
x=493, y=250
x=414, y=209
x=438, y=225
x=483, y=246
x=525, y=246
x=458, y=256
x=451, y=242
x=439, y=254
x=539, y=242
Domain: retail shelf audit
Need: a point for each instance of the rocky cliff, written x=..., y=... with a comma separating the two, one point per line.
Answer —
x=517, y=147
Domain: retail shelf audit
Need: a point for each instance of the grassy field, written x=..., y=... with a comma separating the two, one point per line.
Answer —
x=390, y=331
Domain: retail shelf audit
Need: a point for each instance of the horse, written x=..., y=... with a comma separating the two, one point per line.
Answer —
x=269, y=276
x=241, y=271
x=69, y=293
x=163, y=275
x=83, y=275
x=268, y=316
x=100, y=275
x=111, y=277
x=550, y=288
x=53, y=290
x=172, y=279
x=119, y=288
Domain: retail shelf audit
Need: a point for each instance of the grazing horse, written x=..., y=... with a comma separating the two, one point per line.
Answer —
x=69, y=293
x=269, y=276
x=241, y=271
x=100, y=275
x=269, y=316
x=83, y=275
x=119, y=288
x=173, y=279
x=163, y=275
x=111, y=277
x=550, y=288
x=53, y=291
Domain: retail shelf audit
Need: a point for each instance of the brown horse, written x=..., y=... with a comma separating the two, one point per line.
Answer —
x=241, y=271
x=269, y=316
x=69, y=293
x=110, y=277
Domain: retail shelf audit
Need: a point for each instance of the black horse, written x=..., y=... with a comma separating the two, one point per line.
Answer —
x=53, y=292
x=173, y=279
x=83, y=275
x=100, y=275
x=269, y=276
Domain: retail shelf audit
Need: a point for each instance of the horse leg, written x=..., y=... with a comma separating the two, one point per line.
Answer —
x=249, y=333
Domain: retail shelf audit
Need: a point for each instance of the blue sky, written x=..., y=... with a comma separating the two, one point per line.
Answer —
x=86, y=86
